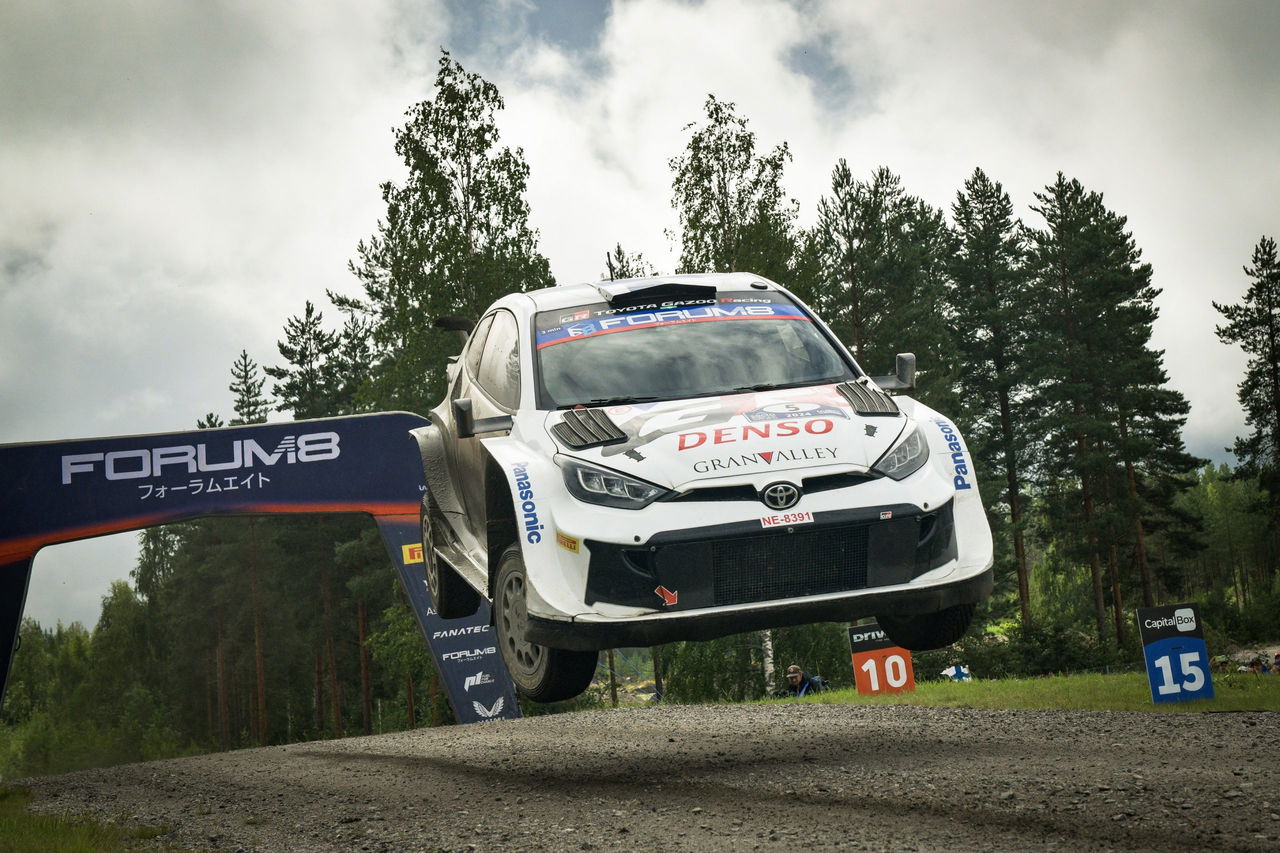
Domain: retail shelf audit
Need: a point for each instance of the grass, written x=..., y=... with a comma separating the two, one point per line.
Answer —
x=23, y=832
x=1089, y=692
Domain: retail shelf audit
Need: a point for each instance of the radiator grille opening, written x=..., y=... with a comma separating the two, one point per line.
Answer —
x=763, y=568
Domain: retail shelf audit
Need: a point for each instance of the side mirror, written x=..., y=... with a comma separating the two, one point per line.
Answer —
x=464, y=421
x=454, y=323
x=905, y=377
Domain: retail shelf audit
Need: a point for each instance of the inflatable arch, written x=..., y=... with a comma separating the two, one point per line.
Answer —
x=62, y=491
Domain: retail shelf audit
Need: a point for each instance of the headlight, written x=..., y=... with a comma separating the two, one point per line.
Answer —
x=905, y=457
x=607, y=488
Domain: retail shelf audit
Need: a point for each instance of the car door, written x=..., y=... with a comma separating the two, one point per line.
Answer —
x=494, y=390
x=461, y=452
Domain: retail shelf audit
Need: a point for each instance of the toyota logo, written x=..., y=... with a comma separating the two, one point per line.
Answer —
x=780, y=495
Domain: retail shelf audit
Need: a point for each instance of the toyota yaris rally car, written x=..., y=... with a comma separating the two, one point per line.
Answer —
x=680, y=458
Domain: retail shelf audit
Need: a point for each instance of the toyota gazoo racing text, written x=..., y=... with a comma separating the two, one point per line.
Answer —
x=681, y=458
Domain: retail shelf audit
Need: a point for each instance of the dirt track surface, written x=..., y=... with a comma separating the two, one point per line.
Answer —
x=698, y=778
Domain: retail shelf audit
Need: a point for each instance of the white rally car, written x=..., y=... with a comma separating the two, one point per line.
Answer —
x=680, y=458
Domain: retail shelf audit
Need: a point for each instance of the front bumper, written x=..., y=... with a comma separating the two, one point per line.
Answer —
x=582, y=635
x=735, y=577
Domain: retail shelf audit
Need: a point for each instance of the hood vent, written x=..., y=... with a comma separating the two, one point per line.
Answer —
x=583, y=428
x=868, y=399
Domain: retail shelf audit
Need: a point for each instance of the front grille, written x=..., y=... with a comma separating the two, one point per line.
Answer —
x=763, y=568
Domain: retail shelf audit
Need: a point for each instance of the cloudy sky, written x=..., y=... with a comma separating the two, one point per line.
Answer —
x=178, y=178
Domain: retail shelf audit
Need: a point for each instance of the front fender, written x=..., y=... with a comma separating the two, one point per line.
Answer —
x=537, y=489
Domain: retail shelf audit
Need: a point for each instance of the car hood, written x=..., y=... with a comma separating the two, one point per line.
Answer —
x=678, y=442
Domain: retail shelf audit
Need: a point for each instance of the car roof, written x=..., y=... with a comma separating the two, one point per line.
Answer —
x=572, y=295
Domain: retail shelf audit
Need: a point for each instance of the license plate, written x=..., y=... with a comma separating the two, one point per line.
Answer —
x=783, y=519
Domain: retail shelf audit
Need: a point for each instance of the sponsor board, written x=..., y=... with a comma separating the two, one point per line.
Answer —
x=879, y=666
x=140, y=463
x=1175, y=652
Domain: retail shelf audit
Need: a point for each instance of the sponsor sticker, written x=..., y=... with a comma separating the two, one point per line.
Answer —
x=567, y=542
x=886, y=515
x=786, y=518
x=669, y=598
x=764, y=458
x=767, y=429
x=792, y=411
x=525, y=504
x=412, y=553
x=959, y=462
x=665, y=317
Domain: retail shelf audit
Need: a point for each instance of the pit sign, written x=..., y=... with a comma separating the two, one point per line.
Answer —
x=878, y=665
x=1174, y=648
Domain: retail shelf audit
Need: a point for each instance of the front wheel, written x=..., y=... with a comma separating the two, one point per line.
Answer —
x=929, y=630
x=540, y=673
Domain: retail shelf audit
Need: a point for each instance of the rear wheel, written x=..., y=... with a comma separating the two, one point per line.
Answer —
x=450, y=594
x=929, y=630
x=540, y=673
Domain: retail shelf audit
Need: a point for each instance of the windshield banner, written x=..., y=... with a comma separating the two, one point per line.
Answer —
x=590, y=327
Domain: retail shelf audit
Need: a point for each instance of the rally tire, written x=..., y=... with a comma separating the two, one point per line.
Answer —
x=450, y=594
x=928, y=631
x=540, y=673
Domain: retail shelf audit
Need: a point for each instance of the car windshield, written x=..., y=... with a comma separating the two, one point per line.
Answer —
x=595, y=354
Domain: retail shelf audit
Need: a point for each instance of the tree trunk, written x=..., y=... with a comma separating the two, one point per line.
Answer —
x=766, y=645
x=613, y=680
x=318, y=704
x=366, y=706
x=657, y=671
x=1144, y=571
x=1015, y=505
x=413, y=714
x=433, y=696
x=224, y=710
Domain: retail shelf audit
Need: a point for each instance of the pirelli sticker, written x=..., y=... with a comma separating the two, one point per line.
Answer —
x=412, y=553
x=567, y=542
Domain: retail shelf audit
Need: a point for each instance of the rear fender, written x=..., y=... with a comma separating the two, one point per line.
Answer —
x=435, y=467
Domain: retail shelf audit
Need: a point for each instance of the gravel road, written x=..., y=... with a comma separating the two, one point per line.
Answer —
x=743, y=777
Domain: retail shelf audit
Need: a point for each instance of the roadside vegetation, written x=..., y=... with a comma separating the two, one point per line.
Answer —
x=1036, y=333
x=23, y=831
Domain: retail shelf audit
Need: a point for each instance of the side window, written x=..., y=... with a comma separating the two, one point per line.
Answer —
x=475, y=345
x=500, y=364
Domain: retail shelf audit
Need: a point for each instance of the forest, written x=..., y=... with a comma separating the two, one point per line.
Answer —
x=1032, y=330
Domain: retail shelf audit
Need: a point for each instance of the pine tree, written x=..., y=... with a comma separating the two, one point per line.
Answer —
x=880, y=257
x=989, y=306
x=1108, y=421
x=734, y=215
x=1254, y=324
x=251, y=406
x=620, y=265
x=456, y=236
x=306, y=386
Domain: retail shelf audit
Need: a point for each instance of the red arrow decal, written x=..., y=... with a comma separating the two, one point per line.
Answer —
x=767, y=456
x=668, y=597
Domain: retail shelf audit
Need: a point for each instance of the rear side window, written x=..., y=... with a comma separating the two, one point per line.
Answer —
x=499, y=372
x=475, y=346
